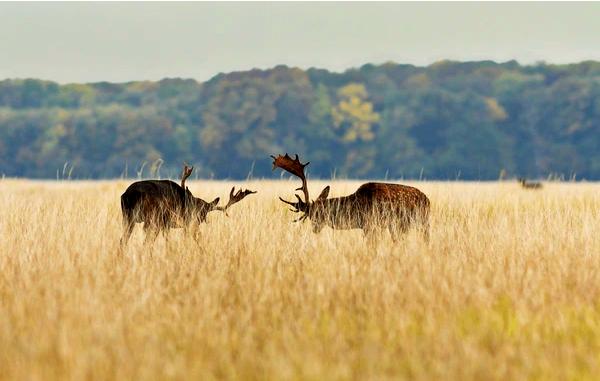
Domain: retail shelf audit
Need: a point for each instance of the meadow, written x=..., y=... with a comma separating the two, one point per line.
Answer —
x=507, y=288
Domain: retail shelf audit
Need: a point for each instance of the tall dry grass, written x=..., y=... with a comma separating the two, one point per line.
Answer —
x=507, y=287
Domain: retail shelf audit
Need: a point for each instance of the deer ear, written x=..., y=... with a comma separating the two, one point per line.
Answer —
x=215, y=201
x=324, y=193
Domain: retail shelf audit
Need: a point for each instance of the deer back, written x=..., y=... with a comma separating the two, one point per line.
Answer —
x=379, y=200
x=392, y=196
x=154, y=198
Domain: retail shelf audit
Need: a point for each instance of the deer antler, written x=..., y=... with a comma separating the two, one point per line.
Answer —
x=233, y=198
x=187, y=171
x=296, y=168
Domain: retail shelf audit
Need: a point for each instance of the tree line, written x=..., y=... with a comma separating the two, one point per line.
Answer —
x=467, y=120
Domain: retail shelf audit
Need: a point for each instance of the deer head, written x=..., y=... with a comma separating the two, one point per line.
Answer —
x=202, y=207
x=296, y=168
x=196, y=206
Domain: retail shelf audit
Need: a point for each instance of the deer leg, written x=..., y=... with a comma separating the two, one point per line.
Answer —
x=371, y=234
x=165, y=233
x=424, y=228
x=127, y=230
x=398, y=230
x=151, y=233
x=421, y=220
x=194, y=231
x=196, y=235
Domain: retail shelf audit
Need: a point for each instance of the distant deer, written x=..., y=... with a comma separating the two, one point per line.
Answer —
x=163, y=204
x=530, y=184
x=372, y=206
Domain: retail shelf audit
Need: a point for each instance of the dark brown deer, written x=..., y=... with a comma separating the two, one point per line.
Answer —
x=163, y=204
x=529, y=184
x=372, y=207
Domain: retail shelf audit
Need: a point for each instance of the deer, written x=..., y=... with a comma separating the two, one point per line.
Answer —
x=529, y=184
x=373, y=207
x=163, y=204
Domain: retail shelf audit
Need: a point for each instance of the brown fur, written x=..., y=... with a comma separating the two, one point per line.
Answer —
x=529, y=184
x=373, y=206
x=162, y=204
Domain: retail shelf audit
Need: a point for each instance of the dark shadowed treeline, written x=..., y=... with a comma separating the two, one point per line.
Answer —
x=445, y=121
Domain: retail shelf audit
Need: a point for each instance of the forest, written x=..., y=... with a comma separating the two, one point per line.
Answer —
x=449, y=120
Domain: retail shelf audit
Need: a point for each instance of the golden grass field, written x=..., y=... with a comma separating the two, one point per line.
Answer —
x=507, y=288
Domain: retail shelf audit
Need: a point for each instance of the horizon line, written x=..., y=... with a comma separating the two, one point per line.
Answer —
x=537, y=63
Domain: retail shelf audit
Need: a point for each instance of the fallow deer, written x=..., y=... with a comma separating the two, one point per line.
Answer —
x=373, y=206
x=163, y=204
x=529, y=184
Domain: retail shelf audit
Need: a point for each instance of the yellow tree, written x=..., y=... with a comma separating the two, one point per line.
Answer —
x=354, y=114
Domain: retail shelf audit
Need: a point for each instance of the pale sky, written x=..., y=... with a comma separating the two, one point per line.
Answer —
x=88, y=42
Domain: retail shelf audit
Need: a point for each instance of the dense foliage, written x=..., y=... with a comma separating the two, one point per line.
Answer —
x=472, y=120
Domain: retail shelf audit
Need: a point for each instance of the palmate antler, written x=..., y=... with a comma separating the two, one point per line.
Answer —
x=233, y=198
x=187, y=171
x=296, y=168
